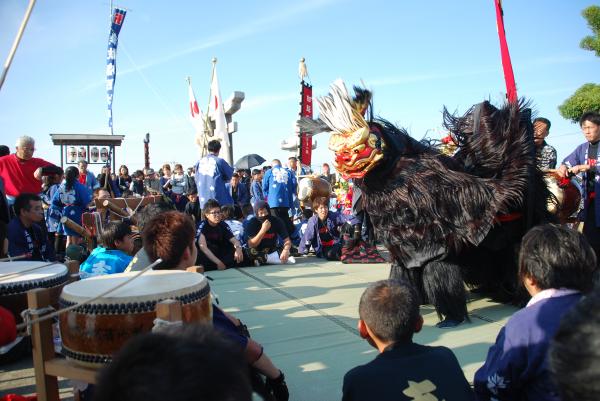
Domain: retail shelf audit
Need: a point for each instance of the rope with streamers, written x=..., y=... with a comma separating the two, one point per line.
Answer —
x=28, y=313
x=161, y=325
x=28, y=324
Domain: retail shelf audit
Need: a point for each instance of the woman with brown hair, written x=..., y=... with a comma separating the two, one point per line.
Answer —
x=124, y=179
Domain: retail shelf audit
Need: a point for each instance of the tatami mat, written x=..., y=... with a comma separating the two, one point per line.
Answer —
x=305, y=316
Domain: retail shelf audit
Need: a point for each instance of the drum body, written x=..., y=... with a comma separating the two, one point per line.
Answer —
x=567, y=193
x=92, y=333
x=312, y=187
x=16, y=278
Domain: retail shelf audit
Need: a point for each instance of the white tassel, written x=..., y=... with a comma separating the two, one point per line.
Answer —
x=302, y=71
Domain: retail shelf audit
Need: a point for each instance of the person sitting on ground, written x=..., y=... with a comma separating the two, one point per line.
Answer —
x=181, y=364
x=114, y=254
x=192, y=208
x=236, y=226
x=403, y=370
x=176, y=187
x=169, y=236
x=263, y=232
x=219, y=248
x=556, y=266
x=25, y=235
x=575, y=352
x=323, y=231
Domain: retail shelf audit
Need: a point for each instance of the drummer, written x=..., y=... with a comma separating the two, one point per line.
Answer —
x=115, y=253
x=584, y=160
x=25, y=233
x=545, y=154
x=170, y=236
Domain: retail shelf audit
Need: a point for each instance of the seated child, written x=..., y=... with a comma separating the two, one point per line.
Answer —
x=263, y=232
x=236, y=226
x=192, y=208
x=403, y=370
x=556, y=265
x=323, y=231
x=218, y=246
x=114, y=254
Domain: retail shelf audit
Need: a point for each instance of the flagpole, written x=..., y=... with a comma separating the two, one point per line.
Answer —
x=208, y=127
x=203, y=141
x=13, y=50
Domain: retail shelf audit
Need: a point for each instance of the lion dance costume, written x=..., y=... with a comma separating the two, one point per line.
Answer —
x=446, y=220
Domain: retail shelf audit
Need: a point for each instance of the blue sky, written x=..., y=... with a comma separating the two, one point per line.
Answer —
x=417, y=57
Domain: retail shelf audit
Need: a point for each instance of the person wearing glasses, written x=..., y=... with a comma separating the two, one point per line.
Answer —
x=21, y=172
x=219, y=249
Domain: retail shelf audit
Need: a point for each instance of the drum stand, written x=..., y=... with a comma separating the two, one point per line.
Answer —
x=48, y=367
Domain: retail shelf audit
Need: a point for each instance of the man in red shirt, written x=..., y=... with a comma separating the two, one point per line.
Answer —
x=21, y=172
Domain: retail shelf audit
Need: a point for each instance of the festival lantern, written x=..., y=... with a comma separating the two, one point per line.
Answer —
x=72, y=154
x=94, y=154
x=82, y=154
x=104, y=155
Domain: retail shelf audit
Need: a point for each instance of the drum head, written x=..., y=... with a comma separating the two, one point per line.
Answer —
x=23, y=276
x=150, y=286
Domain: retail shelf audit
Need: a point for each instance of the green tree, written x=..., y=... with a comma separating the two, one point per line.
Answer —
x=586, y=98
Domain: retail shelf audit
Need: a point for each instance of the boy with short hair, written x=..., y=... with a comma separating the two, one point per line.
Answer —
x=556, y=265
x=219, y=249
x=403, y=370
x=115, y=253
x=263, y=232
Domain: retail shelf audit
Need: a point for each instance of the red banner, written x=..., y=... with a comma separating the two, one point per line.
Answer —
x=509, y=77
x=306, y=111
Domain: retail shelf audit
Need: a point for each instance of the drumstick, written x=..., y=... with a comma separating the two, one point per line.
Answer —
x=119, y=212
x=11, y=258
x=88, y=301
x=114, y=208
x=75, y=227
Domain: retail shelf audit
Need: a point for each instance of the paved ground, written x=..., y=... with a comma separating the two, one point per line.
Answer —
x=305, y=316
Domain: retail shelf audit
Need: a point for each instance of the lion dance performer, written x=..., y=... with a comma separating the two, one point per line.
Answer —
x=446, y=220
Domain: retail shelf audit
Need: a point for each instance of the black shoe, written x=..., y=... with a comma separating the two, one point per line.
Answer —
x=278, y=388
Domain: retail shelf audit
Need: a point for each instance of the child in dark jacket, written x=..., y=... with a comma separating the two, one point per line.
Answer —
x=556, y=266
x=403, y=370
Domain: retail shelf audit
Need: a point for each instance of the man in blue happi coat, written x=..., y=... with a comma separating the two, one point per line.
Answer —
x=584, y=160
x=279, y=187
x=212, y=173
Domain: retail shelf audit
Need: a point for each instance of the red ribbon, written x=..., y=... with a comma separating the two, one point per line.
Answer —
x=509, y=77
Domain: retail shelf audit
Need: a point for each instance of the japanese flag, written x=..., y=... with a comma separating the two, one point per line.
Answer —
x=218, y=115
x=197, y=117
